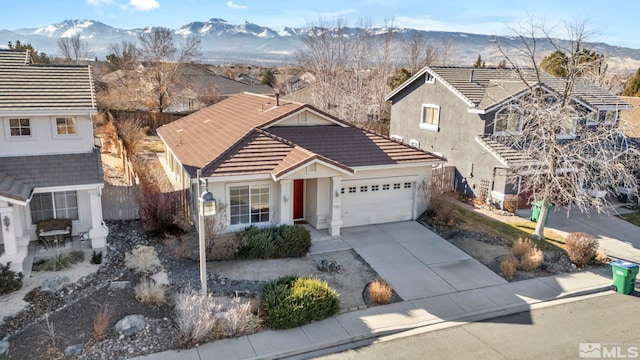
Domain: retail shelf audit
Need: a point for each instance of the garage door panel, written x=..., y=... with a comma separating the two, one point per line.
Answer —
x=373, y=205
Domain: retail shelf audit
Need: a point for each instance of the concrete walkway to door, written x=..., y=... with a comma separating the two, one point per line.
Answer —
x=416, y=262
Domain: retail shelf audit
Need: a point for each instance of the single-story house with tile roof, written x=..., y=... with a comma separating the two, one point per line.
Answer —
x=269, y=161
x=50, y=166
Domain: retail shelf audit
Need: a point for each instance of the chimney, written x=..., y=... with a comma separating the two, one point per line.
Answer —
x=277, y=99
x=471, y=76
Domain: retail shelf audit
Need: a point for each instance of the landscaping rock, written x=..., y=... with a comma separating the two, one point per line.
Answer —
x=329, y=266
x=119, y=285
x=73, y=350
x=131, y=325
x=4, y=346
x=161, y=278
x=55, y=283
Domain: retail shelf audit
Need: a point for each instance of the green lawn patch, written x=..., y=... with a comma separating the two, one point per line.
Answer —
x=633, y=218
x=509, y=232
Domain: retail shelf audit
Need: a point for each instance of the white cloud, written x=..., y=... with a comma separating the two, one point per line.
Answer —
x=99, y=2
x=144, y=5
x=235, y=6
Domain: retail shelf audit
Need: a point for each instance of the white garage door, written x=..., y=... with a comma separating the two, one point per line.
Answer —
x=375, y=202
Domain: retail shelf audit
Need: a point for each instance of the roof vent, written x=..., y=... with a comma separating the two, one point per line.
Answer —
x=471, y=76
x=277, y=99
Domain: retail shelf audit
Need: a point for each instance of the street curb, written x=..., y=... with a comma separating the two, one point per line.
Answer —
x=397, y=332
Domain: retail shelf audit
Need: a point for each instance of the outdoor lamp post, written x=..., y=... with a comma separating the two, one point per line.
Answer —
x=207, y=207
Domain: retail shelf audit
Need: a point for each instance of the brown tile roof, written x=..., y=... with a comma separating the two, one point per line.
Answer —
x=352, y=146
x=200, y=138
x=25, y=86
x=233, y=137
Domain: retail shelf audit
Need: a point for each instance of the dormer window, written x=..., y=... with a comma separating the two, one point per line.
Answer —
x=508, y=121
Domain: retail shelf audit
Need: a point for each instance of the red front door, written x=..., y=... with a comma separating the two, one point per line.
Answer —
x=298, y=199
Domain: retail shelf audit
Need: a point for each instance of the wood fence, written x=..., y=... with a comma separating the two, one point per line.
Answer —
x=443, y=178
x=146, y=118
x=120, y=202
x=123, y=203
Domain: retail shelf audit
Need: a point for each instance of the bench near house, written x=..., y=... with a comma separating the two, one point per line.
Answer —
x=50, y=167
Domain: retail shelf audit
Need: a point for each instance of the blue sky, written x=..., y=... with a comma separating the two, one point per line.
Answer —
x=613, y=21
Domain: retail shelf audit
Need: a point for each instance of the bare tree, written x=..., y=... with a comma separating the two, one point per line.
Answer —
x=419, y=53
x=162, y=58
x=124, y=55
x=447, y=53
x=574, y=157
x=73, y=49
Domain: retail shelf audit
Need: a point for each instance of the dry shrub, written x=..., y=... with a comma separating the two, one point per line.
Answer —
x=132, y=135
x=150, y=292
x=101, y=323
x=157, y=209
x=195, y=317
x=439, y=208
x=380, y=291
x=508, y=267
x=224, y=247
x=581, y=247
x=602, y=258
x=511, y=203
x=527, y=255
x=237, y=318
x=182, y=246
x=143, y=260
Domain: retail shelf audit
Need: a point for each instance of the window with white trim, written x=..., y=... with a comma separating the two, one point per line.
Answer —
x=430, y=117
x=56, y=205
x=508, y=121
x=414, y=143
x=66, y=126
x=428, y=78
x=19, y=127
x=249, y=204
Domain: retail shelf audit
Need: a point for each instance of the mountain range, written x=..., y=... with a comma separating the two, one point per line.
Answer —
x=222, y=42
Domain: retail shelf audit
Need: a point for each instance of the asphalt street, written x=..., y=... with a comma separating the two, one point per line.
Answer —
x=605, y=326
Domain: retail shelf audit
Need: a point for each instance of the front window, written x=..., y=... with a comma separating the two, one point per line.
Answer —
x=430, y=117
x=249, y=204
x=508, y=122
x=56, y=205
x=66, y=126
x=19, y=127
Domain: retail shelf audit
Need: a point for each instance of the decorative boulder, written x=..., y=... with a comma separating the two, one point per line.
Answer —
x=55, y=283
x=131, y=325
x=73, y=350
x=4, y=346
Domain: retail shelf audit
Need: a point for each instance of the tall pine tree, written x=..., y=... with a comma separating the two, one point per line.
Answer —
x=633, y=85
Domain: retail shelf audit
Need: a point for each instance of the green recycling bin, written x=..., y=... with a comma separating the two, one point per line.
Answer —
x=624, y=276
x=536, y=208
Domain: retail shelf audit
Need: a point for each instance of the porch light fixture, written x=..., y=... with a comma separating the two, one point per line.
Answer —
x=206, y=207
x=285, y=198
x=337, y=193
x=6, y=221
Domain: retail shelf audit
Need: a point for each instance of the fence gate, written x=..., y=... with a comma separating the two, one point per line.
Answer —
x=443, y=178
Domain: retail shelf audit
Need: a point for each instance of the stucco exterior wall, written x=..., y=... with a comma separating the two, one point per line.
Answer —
x=455, y=137
x=44, y=139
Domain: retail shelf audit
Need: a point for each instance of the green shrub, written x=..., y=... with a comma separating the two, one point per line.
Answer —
x=96, y=258
x=59, y=261
x=272, y=243
x=292, y=301
x=10, y=281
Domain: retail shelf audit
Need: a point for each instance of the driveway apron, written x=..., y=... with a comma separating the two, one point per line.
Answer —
x=417, y=262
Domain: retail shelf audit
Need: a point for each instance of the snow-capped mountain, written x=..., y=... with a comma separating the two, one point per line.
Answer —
x=222, y=41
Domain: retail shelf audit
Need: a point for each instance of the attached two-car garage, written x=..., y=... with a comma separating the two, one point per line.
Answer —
x=376, y=201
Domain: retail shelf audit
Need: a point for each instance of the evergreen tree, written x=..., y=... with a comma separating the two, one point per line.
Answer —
x=399, y=76
x=502, y=64
x=268, y=77
x=36, y=57
x=633, y=85
x=478, y=62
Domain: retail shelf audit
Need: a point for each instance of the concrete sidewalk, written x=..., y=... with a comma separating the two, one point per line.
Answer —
x=361, y=327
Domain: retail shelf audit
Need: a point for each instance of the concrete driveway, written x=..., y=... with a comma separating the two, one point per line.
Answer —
x=416, y=262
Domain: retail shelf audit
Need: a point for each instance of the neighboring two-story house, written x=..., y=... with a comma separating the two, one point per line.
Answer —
x=461, y=113
x=50, y=166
